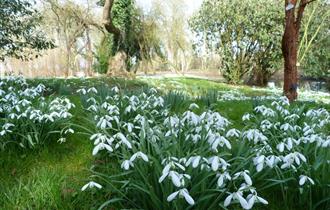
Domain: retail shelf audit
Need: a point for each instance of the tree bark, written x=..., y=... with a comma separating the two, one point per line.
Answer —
x=107, y=19
x=289, y=50
x=290, y=45
x=89, y=53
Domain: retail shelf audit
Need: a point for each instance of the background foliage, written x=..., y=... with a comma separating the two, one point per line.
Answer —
x=19, y=30
x=246, y=38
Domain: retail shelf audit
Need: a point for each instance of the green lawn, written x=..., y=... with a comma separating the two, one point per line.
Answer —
x=51, y=177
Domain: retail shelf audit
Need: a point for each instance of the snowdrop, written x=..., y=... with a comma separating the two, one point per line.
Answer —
x=139, y=155
x=92, y=90
x=217, y=162
x=115, y=89
x=82, y=91
x=233, y=133
x=69, y=130
x=254, y=135
x=254, y=198
x=222, y=177
x=304, y=179
x=236, y=196
x=245, y=175
x=291, y=158
x=91, y=184
x=193, y=106
x=101, y=146
x=181, y=193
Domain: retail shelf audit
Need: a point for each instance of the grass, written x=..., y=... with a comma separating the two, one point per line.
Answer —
x=51, y=177
x=47, y=178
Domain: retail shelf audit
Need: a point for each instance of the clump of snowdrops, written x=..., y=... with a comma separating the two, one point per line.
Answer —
x=155, y=159
x=29, y=119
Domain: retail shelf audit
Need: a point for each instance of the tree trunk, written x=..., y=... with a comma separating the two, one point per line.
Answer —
x=89, y=53
x=68, y=62
x=289, y=50
x=293, y=17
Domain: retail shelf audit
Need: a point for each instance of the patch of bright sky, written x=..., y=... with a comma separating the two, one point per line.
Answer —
x=192, y=5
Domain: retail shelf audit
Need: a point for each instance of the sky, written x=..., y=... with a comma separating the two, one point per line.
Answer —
x=193, y=5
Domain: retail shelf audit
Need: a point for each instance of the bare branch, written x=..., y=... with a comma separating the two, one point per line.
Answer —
x=107, y=19
x=301, y=9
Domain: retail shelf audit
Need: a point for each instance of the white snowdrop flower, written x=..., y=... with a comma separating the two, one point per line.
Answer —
x=236, y=196
x=175, y=177
x=165, y=172
x=7, y=126
x=190, y=117
x=292, y=117
x=254, y=198
x=245, y=175
x=101, y=146
x=128, y=109
x=267, y=112
x=286, y=127
x=177, y=164
x=172, y=120
x=13, y=116
x=69, y=130
x=24, y=102
x=61, y=140
x=280, y=147
x=303, y=179
x=3, y=132
x=217, y=162
x=233, y=133
x=152, y=91
x=91, y=184
x=124, y=140
x=265, y=125
x=92, y=90
x=82, y=91
x=130, y=127
x=222, y=177
x=92, y=108
x=194, y=161
x=139, y=155
x=92, y=100
x=115, y=89
x=126, y=164
x=193, y=106
x=182, y=193
x=285, y=112
x=259, y=162
x=326, y=143
x=292, y=158
x=104, y=122
x=254, y=135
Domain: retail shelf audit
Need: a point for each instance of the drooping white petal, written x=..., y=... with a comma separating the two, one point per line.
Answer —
x=242, y=201
x=228, y=200
x=175, y=178
x=187, y=197
x=85, y=187
x=262, y=200
x=247, y=179
x=172, y=196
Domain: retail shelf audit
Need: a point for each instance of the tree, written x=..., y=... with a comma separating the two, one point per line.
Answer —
x=121, y=20
x=246, y=35
x=20, y=36
x=314, y=46
x=71, y=22
x=294, y=11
